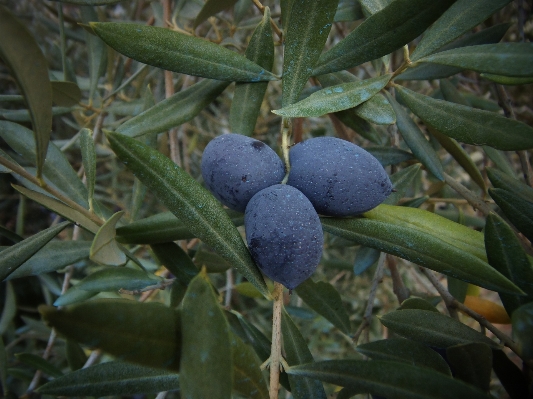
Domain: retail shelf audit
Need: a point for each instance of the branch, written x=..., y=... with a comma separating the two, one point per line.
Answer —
x=475, y=201
x=275, y=350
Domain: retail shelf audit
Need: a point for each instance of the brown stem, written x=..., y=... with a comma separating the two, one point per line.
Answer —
x=475, y=201
x=398, y=287
x=443, y=292
x=261, y=8
x=275, y=350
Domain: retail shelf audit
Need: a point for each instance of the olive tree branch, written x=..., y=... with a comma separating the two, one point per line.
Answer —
x=475, y=201
x=261, y=8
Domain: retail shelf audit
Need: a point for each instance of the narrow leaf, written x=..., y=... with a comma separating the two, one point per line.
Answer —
x=297, y=353
x=210, y=8
x=9, y=310
x=381, y=34
x=304, y=40
x=523, y=329
x=190, y=202
x=116, y=278
x=432, y=328
x=94, y=323
x=175, y=110
x=389, y=155
x=105, y=249
x=74, y=295
x=359, y=125
x=90, y=2
x=517, y=210
x=324, y=299
x=179, y=52
x=88, y=156
x=373, y=6
x=502, y=180
x=405, y=351
x=57, y=169
x=25, y=60
x=471, y=363
x=510, y=375
x=3, y=367
x=53, y=256
x=364, y=258
x=507, y=80
x=59, y=208
x=207, y=366
x=422, y=248
x=38, y=363
x=402, y=181
x=500, y=160
x=17, y=254
x=112, y=378
x=416, y=141
x=248, y=380
x=507, y=59
x=75, y=355
x=248, y=97
x=389, y=379
x=96, y=50
x=163, y=227
x=65, y=94
x=467, y=124
x=335, y=98
x=505, y=254
x=176, y=261
x=417, y=303
x=458, y=19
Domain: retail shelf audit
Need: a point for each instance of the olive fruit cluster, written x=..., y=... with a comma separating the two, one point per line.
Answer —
x=329, y=176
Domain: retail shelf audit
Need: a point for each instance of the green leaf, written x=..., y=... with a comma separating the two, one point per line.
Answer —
x=416, y=141
x=335, y=98
x=57, y=168
x=405, y=351
x=210, y=8
x=424, y=248
x=471, y=363
x=104, y=249
x=73, y=295
x=371, y=7
x=505, y=254
x=96, y=49
x=297, y=352
x=453, y=233
x=417, y=303
x=523, y=329
x=324, y=299
x=191, y=203
x=179, y=52
x=376, y=110
x=510, y=375
x=517, y=210
x=390, y=155
x=304, y=40
x=176, y=261
x=17, y=254
x=359, y=125
x=348, y=10
x=507, y=59
x=458, y=19
x=116, y=278
x=32, y=79
x=207, y=366
x=248, y=97
x=458, y=288
x=393, y=380
x=75, y=355
x=500, y=160
x=9, y=310
x=175, y=110
x=112, y=378
x=94, y=323
x=59, y=208
x=467, y=124
x=504, y=181
x=212, y=262
x=65, y=94
x=53, y=256
x=38, y=363
x=507, y=80
x=402, y=181
x=248, y=380
x=88, y=155
x=163, y=227
x=461, y=156
x=3, y=367
x=364, y=258
x=381, y=34
x=433, y=328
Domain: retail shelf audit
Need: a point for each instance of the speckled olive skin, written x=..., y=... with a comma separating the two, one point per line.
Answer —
x=284, y=234
x=338, y=177
x=235, y=167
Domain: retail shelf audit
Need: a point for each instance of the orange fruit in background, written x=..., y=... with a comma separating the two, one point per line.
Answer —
x=491, y=311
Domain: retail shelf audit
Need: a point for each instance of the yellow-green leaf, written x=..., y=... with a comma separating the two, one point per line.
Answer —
x=105, y=249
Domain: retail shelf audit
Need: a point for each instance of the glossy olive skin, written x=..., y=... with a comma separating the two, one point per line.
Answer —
x=235, y=167
x=339, y=177
x=284, y=234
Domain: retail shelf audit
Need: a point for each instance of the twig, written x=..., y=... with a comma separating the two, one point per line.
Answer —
x=398, y=287
x=46, y=355
x=93, y=358
x=285, y=146
x=261, y=8
x=275, y=350
x=229, y=288
x=475, y=201
x=443, y=292
x=367, y=317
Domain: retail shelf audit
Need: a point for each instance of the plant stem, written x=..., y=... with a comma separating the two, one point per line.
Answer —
x=444, y=293
x=275, y=350
x=261, y=8
x=285, y=146
x=398, y=287
x=472, y=199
